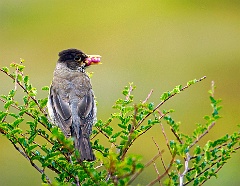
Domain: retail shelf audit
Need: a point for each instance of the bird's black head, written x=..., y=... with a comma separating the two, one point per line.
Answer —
x=75, y=58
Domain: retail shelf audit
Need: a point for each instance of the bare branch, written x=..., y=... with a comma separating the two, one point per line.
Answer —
x=160, y=153
x=154, y=164
x=202, y=135
x=130, y=140
x=149, y=95
x=212, y=89
x=181, y=176
x=102, y=132
x=164, y=174
x=156, y=169
x=129, y=92
x=25, y=90
x=108, y=123
x=162, y=102
x=166, y=139
x=141, y=170
x=145, y=130
x=176, y=135
x=15, y=81
x=28, y=158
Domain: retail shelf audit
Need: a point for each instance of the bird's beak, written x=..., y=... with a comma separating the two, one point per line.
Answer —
x=93, y=60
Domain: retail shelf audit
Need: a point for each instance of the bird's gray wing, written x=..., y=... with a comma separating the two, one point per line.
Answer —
x=86, y=112
x=61, y=113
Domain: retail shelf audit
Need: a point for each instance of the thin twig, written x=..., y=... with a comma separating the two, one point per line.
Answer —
x=86, y=170
x=99, y=166
x=105, y=135
x=202, y=135
x=148, y=96
x=77, y=181
x=166, y=139
x=212, y=164
x=109, y=121
x=166, y=172
x=28, y=158
x=160, y=153
x=141, y=170
x=189, y=181
x=156, y=169
x=27, y=113
x=221, y=146
x=151, y=126
x=25, y=90
x=213, y=88
x=154, y=164
x=130, y=140
x=176, y=135
x=181, y=176
x=162, y=102
x=145, y=130
x=218, y=169
x=2, y=100
x=212, y=124
x=129, y=92
x=16, y=76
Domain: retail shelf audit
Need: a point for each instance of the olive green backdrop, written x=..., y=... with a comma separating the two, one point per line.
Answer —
x=155, y=44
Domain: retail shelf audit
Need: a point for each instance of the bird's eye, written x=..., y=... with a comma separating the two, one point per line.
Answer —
x=77, y=58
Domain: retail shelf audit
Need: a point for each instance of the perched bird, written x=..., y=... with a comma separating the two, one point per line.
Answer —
x=71, y=103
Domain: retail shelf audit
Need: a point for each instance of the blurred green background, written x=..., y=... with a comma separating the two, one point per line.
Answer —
x=156, y=44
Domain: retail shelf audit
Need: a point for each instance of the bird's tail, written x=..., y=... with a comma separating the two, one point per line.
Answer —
x=84, y=147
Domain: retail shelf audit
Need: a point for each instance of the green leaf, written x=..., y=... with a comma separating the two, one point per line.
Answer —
x=3, y=115
x=207, y=118
x=108, y=130
x=189, y=83
x=139, y=166
x=4, y=97
x=165, y=96
x=16, y=116
x=44, y=178
x=124, y=137
x=23, y=142
x=151, y=106
x=17, y=122
x=177, y=89
x=43, y=102
x=19, y=77
x=197, y=150
x=30, y=148
x=21, y=67
x=207, y=156
x=26, y=80
x=5, y=69
x=11, y=93
x=16, y=131
x=112, y=140
x=195, y=182
x=8, y=104
x=31, y=103
x=116, y=135
x=122, y=126
x=33, y=92
x=125, y=92
x=45, y=88
x=172, y=144
x=22, y=60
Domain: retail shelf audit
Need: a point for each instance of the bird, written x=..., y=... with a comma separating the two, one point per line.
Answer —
x=71, y=103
